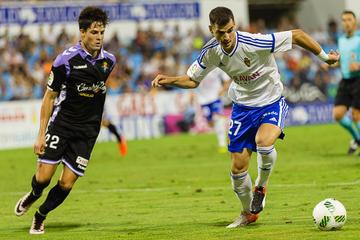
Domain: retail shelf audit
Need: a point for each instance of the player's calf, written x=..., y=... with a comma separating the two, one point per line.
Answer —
x=24, y=203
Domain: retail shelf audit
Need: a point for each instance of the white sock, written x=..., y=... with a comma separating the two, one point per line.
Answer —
x=220, y=130
x=242, y=186
x=266, y=158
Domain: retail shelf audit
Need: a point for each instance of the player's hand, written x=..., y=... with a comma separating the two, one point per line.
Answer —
x=39, y=146
x=354, y=67
x=324, y=67
x=333, y=57
x=158, y=81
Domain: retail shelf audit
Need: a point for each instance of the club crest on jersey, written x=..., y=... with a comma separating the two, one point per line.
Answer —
x=105, y=66
x=247, y=62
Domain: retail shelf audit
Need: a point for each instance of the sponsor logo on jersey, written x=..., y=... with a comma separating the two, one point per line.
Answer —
x=245, y=79
x=80, y=66
x=51, y=78
x=247, y=61
x=95, y=88
x=82, y=162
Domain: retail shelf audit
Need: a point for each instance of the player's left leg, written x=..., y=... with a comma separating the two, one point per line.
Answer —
x=54, y=198
x=270, y=129
x=266, y=158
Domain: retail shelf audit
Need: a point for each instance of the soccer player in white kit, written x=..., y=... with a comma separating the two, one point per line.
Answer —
x=259, y=109
x=208, y=95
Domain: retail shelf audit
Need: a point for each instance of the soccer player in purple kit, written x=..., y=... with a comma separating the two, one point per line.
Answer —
x=71, y=114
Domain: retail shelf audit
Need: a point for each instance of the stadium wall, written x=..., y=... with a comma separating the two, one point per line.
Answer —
x=139, y=116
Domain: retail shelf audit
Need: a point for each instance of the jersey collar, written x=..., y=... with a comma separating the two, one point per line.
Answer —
x=234, y=49
x=86, y=55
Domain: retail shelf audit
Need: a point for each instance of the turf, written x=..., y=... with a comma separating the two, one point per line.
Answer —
x=178, y=187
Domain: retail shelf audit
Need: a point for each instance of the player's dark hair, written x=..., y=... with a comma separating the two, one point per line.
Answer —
x=220, y=16
x=349, y=12
x=92, y=14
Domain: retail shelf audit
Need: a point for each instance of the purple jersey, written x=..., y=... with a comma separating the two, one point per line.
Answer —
x=80, y=81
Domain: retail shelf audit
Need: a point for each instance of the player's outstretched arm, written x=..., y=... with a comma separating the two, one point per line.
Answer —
x=302, y=39
x=183, y=81
x=46, y=110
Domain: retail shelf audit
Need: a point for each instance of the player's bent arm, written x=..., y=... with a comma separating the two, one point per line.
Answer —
x=183, y=81
x=302, y=39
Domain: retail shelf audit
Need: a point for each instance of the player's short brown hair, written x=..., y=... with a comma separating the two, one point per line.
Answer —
x=220, y=16
x=92, y=14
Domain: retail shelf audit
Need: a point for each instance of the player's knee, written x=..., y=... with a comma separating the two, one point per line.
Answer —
x=240, y=163
x=43, y=179
x=264, y=141
x=65, y=185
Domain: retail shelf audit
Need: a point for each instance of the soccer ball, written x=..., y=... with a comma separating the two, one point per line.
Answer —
x=329, y=214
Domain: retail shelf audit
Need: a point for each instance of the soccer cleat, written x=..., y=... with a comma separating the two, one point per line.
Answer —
x=258, y=202
x=353, y=147
x=122, y=146
x=37, y=226
x=24, y=204
x=243, y=220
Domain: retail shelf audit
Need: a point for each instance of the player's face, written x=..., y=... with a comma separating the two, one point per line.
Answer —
x=93, y=37
x=225, y=35
x=349, y=23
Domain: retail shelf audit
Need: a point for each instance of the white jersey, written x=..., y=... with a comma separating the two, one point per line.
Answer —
x=209, y=88
x=251, y=65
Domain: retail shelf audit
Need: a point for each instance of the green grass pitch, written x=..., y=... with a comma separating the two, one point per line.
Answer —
x=178, y=187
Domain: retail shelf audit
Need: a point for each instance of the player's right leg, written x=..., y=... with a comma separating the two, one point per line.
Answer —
x=339, y=114
x=242, y=144
x=39, y=182
x=242, y=186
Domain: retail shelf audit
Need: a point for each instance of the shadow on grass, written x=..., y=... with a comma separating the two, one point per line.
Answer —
x=223, y=224
x=59, y=227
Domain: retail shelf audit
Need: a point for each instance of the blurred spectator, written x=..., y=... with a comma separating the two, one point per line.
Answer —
x=26, y=63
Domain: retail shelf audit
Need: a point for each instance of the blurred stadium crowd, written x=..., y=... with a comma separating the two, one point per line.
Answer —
x=26, y=63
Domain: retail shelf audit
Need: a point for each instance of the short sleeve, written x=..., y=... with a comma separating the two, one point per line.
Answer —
x=197, y=71
x=283, y=41
x=202, y=65
x=57, y=77
x=267, y=43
